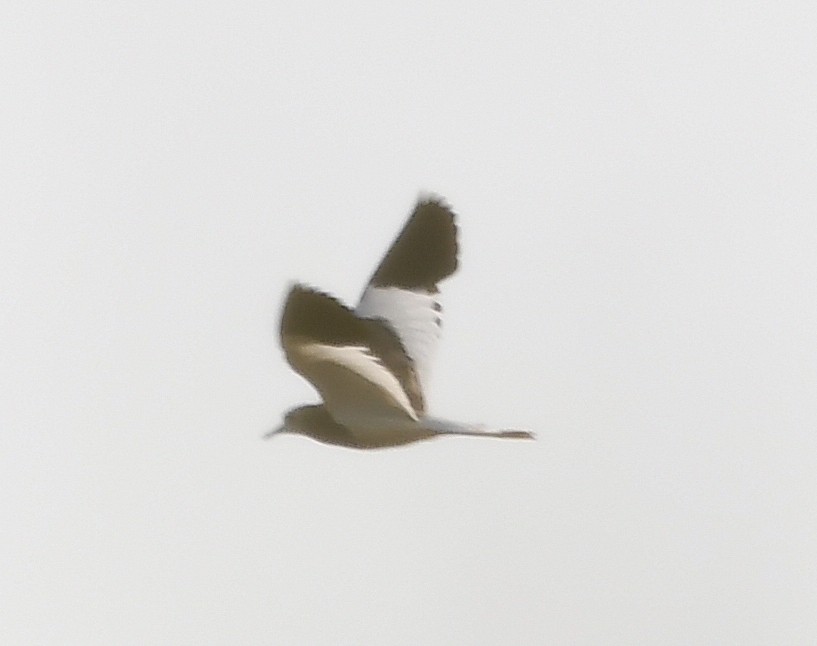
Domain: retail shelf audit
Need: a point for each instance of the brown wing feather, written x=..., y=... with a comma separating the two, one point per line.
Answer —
x=424, y=252
x=314, y=315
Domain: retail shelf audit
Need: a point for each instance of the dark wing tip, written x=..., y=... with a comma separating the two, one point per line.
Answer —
x=315, y=315
x=424, y=252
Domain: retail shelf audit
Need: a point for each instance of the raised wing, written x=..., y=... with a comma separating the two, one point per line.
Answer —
x=403, y=290
x=357, y=365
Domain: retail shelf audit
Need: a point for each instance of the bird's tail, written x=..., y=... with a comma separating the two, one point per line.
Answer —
x=445, y=426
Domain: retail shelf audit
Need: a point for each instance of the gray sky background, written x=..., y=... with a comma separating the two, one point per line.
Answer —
x=636, y=184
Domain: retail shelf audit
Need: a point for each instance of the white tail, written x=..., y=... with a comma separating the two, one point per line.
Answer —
x=437, y=425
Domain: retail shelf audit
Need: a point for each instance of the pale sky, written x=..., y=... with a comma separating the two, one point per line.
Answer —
x=636, y=189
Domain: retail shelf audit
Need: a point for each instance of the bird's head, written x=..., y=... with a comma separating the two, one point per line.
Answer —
x=297, y=420
x=303, y=420
x=316, y=423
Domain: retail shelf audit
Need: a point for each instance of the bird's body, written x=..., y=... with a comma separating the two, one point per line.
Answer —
x=371, y=365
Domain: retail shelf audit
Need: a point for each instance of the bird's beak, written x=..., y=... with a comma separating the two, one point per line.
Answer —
x=275, y=431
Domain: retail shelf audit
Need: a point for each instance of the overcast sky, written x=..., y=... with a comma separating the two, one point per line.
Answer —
x=636, y=189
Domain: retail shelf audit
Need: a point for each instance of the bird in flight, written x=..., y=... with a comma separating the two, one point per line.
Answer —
x=371, y=364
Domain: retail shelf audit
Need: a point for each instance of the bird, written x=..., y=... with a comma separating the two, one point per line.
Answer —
x=371, y=364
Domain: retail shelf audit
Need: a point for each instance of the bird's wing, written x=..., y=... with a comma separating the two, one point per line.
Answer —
x=357, y=365
x=403, y=290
